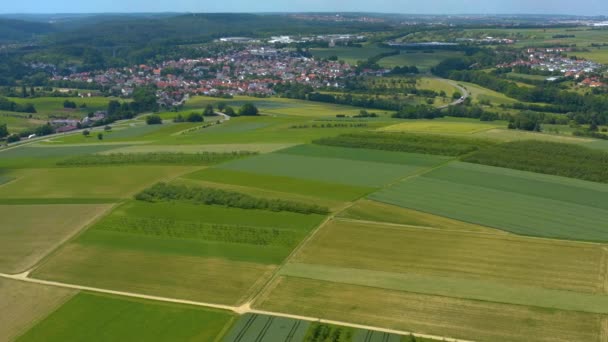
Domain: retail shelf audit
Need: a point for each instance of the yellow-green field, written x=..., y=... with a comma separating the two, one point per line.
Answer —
x=29, y=232
x=94, y=182
x=437, y=315
x=445, y=126
x=23, y=305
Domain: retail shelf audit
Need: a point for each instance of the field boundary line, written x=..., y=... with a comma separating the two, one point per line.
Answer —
x=604, y=272
x=238, y=310
x=604, y=329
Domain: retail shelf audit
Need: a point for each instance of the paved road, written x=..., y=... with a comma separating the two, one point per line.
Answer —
x=243, y=309
x=465, y=93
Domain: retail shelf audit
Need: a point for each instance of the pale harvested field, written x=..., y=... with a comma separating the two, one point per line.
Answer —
x=152, y=273
x=504, y=258
x=29, y=232
x=23, y=305
x=444, y=316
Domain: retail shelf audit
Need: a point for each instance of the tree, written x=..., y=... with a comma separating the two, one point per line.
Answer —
x=107, y=128
x=69, y=104
x=248, y=109
x=44, y=130
x=100, y=136
x=13, y=138
x=456, y=95
x=86, y=132
x=32, y=91
x=154, y=120
x=194, y=117
x=221, y=106
x=179, y=118
x=209, y=111
x=3, y=131
x=23, y=91
x=229, y=111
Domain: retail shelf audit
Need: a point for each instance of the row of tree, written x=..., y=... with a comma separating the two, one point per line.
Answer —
x=210, y=196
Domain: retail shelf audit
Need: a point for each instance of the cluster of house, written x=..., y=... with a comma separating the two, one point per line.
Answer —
x=553, y=60
x=248, y=71
x=330, y=38
x=67, y=125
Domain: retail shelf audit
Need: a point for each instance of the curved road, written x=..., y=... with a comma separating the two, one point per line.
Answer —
x=465, y=93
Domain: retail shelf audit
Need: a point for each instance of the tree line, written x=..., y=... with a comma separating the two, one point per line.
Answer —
x=209, y=196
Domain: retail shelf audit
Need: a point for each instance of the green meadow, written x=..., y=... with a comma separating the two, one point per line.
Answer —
x=514, y=201
x=94, y=317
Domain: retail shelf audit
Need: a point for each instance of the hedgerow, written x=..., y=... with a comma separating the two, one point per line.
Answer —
x=201, y=195
x=204, y=158
x=170, y=228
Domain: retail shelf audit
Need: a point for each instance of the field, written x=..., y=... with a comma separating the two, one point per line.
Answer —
x=372, y=211
x=391, y=229
x=437, y=315
x=350, y=55
x=514, y=201
x=443, y=126
x=255, y=327
x=91, y=182
x=27, y=304
x=320, y=164
x=252, y=327
x=423, y=61
x=92, y=317
x=288, y=188
x=169, y=249
x=29, y=232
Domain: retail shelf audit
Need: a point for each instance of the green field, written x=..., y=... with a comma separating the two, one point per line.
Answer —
x=350, y=55
x=253, y=327
x=92, y=182
x=42, y=156
x=92, y=317
x=372, y=211
x=169, y=249
x=367, y=168
x=514, y=201
x=29, y=232
x=423, y=61
x=443, y=126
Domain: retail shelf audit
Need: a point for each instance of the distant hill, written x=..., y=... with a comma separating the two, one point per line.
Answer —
x=13, y=30
x=129, y=30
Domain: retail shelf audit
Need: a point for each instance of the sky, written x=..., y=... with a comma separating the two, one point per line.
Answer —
x=578, y=7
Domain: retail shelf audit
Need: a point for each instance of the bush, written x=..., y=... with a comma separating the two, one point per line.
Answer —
x=194, y=117
x=209, y=196
x=13, y=138
x=248, y=109
x=154, y=120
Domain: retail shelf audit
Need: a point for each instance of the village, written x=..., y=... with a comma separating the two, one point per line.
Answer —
x=251, y=70
x=555, y=64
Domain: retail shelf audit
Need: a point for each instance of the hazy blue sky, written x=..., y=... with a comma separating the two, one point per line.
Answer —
x=585, y=7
